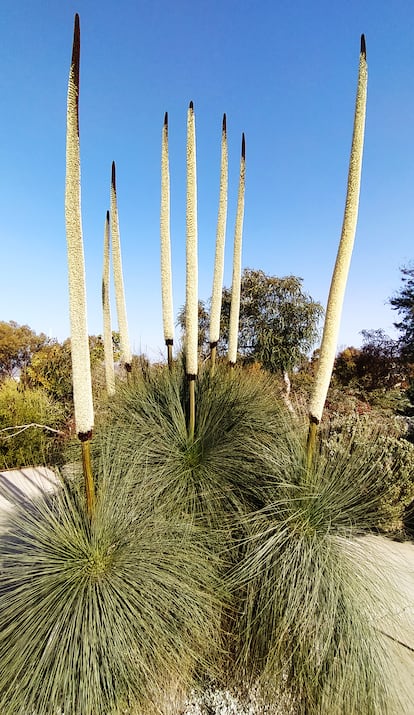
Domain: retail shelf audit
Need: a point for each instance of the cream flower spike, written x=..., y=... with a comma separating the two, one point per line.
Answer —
x=106, y=310
x=220, y=246
x=237, y=258
x=81, y=370
x=126, y=355
x=191, y=294
x=343, y=259
x=166, y=275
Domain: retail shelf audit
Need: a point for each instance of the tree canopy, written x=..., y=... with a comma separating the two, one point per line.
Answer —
x=403, y=303
x=278, y=321
x=17, y=345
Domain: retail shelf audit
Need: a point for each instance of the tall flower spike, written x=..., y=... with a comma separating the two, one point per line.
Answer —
x=237, y=254
x=126, y=356
x=191, y=292
x=106, y=310
x=220, y=245
x=81, y=369
x=343, y=259
x=166, y=276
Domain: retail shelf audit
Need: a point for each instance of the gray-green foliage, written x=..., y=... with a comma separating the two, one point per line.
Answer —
x=383, y=441
x=220, y=558
x=239, y=419
x=306, y=588
x=107, y=616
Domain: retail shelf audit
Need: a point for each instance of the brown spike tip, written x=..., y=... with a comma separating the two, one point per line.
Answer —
x=243, y=150
x=113, y=176
x=224, y=122
x=166, y=119
x=107, y=216
x=363, y=47
x=191, y=106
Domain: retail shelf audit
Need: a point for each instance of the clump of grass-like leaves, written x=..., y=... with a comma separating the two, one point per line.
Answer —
x=104, y=616
x=307, y=591
x=217, y=473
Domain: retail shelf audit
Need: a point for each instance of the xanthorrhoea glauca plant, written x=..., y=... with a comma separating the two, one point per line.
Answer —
x=343, y=259
x=191, y=283
x=126, y=355
x=220, y=245
x=81, y=369
x=237, y=255
x=166, y=276
x=106, y=310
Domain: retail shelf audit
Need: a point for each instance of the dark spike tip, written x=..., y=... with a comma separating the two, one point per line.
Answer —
x=191, y=106
x=243, y=149
x=107, y=217
x=224, y=122
x=363, y=47
x=166, y=119
x=76, y=50
x=113, y=176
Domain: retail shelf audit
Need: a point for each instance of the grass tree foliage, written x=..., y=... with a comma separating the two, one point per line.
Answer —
x=102, y=616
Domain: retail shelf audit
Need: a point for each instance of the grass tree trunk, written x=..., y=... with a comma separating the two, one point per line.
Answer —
x=343, y=259
x=191, y=293
x=81, y=369
x=126, y=355
x=220, y=245
x=166, y=274
x=106, y=310
x=237, y=254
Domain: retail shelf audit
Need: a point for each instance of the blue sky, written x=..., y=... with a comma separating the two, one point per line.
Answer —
x=285, y=74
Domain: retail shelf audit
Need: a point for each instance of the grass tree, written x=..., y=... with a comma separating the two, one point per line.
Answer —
x=237, y=257
x=109, y=616
x=191, y=290
x=306, y=588
x=166, y=275
x=343, y=259
x=106, y=310
x=126, y=355
x=82, y=382
x=216, y=297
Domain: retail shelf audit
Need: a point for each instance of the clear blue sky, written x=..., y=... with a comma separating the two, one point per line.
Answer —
x=285, y=74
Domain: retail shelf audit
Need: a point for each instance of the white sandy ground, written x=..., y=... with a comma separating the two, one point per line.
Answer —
x=394, y=617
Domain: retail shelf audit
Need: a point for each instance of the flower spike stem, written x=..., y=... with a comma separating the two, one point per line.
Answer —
x=191, y=299
x=169, y=344
x=191, y=421
x=343, y=259
x=87, y=472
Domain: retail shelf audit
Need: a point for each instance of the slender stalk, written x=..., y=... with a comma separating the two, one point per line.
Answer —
x=81, y=368
x=106, y=309
x=166, y=274
x=191, y=302
x=237, y=254
x=126, y=356
x=343, y=259
x=88, y=476
x=220, y=245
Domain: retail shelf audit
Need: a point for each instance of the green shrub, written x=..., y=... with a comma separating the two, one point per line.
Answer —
x=383, y=439
x=34, y=445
